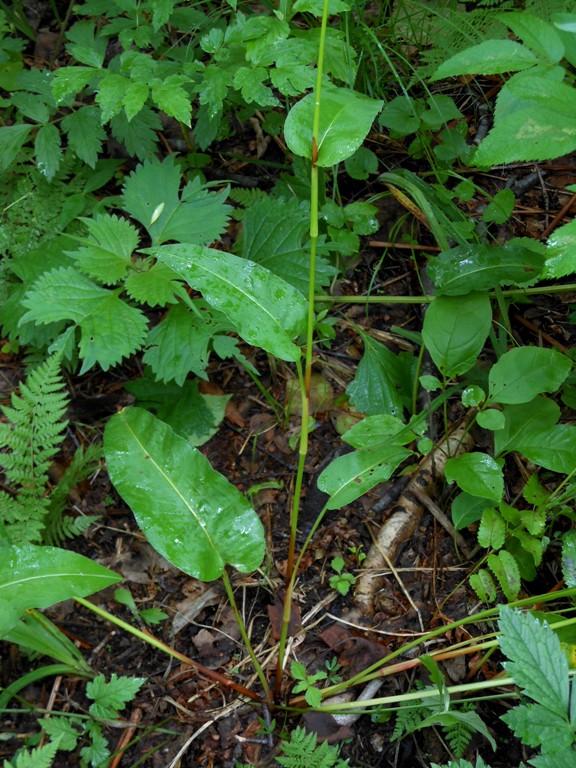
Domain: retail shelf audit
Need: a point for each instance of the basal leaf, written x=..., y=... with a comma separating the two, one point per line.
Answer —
x=48, y=150
x=267, y=311
x=455, y=330
x=65, y=294
x=525, y=372
x=483, y=584
x=504, y=566
x=38, y=577
x=481, y=267
x=492, y=530
x=537, y=34
x=107, y=255
x=537, y=662
x=382, y=380
x=85, y=133
x=346, y=117
x=477, y=474
x=189, y=512
x=561, y=252
x=488, y=58
x=350, y=476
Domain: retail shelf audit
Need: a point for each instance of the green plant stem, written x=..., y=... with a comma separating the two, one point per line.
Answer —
x=245, y=637
x=149, y=638
x=545, y=289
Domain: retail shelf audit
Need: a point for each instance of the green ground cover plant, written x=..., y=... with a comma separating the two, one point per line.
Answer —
x=93, y=277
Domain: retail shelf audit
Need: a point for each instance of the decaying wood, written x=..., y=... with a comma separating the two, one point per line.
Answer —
x=403, y=519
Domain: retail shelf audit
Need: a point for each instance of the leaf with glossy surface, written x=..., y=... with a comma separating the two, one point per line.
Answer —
x=189, y=512
x=477, y=474
x=346, y=116
x=561, y=252
x=455, y=330
x=524, y=420
x=488, y=58
x=266, y=310
x=525, y=372
x=38, y=577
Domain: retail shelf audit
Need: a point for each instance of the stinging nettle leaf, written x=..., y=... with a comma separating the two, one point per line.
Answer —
x=189, y=512
x=267, y=311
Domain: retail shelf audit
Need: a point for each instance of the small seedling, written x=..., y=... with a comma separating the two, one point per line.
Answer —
x=333, y=670
x=148, y=615
x=306, y=683
x=341, y=582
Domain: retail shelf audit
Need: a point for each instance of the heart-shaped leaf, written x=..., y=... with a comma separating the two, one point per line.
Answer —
x=266, y=310
x=189, y=512
x=37, y=577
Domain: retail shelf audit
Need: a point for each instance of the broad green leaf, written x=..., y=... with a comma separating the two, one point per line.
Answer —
x=151, y=195
x=193, y=415
x=483, y=584
x=455, y=330
x=65, y=294
x=481, y=267
x=87, y=46
x=12, y=138
x=537, y=662
x=350, y=476
x=569, y=558
x=107, y=255
x=31, y=107
x=135, y=98
x=38, y=577
x=524, y=372
x=85, y=133
x=467, y=509
x=374, y=430
x=139, y=134
x=491, y=418
x=531, y=132
x=477, y=474
x=152, y=283
x=500, y=207
x=536, y=725
x=48, y=150
x=491, y=57
x=315, y=7
x=189, y=512
x=553, y=448
x=273, y=235
x=561, y=252
x=402, y=115
x=68, y=80
x=361, y=164
x=345, y=119
x=382, y=380
x=504, y=566
x=267, y=311
x=250, y=82
x=172, y=98
x=492, y=530
x=110, y=697
x=179, y=344
x=537, y=34
x=524, y=421
x=441, y=109
x=110, y=96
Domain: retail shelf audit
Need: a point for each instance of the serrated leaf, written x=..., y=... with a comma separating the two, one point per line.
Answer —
x=561, y=252
x=537, y=662
x=38, y=577
x=267, y=311
x=490, y=57
x=477, y=474
x=250, y=82
x=455, y=330
x=346, y=116
x=531, y=131
x=68, y=80
x=85, y=134
x=87, y=46
x=110, y=96
x=524, y=372
x=492, y=530
x=139, y=134
x=179, y=344
x=152, y=283
x=273, y=233
x=537, y=726
x=483, y=584
x=48, y=150
x=382, y=380
x=135, y=98
x=189, y=512
x=172, y=99
x=500, y=207
x=61, y=728
x=504, y=566
x=110, y=697
x=108, y=254
x=350, y=476
x=65, y=294
x=481, y=267
x=12, y=138
x=197, y=216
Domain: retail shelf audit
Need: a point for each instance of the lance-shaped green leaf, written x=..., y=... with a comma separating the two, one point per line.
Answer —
x=350, y=476
x=189, y=512
x=266, y=310
x=525, y=372
x=37, y=577
x=345, y=119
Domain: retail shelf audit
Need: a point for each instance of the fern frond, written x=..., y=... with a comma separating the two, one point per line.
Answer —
x=302, y=751
x=459, y=734
x=21, y=519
